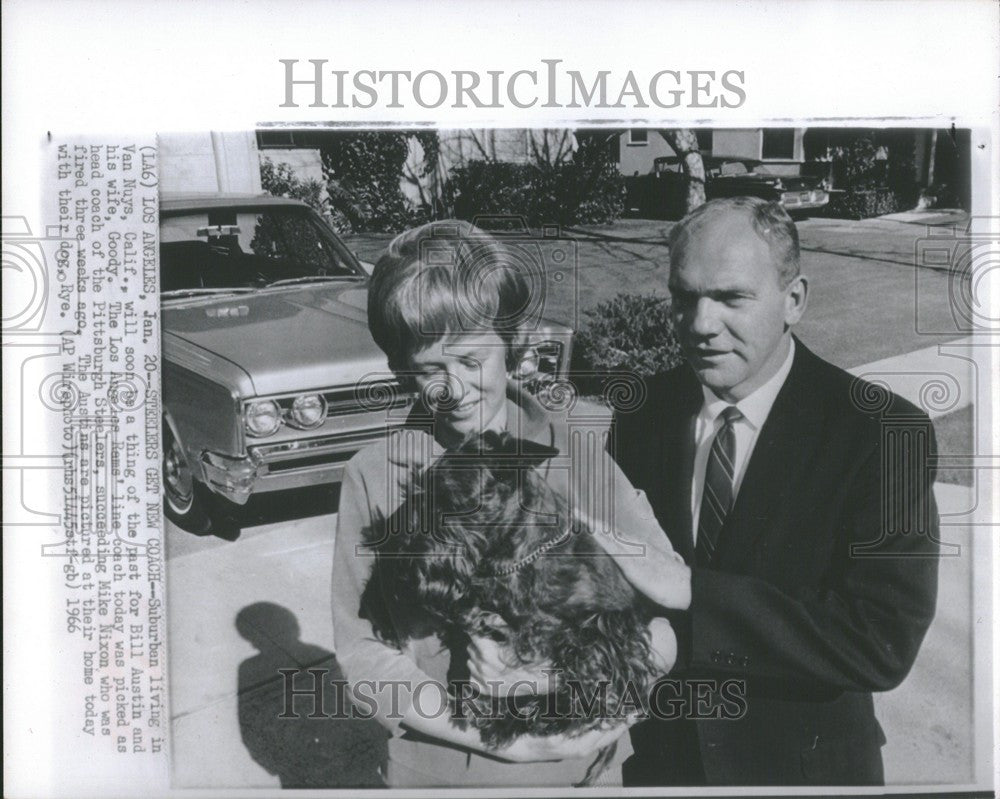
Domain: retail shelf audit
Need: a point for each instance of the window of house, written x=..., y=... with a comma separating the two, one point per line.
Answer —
x=778, y=144
x=638, y=136
x=275, y=138
x=704, y=140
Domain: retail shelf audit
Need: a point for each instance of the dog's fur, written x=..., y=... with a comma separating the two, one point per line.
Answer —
x=471, y=554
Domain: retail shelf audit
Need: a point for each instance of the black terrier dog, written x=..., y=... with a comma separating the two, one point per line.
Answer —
x=482, y=546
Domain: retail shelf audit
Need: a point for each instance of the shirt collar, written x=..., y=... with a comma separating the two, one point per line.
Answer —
x=757, y=405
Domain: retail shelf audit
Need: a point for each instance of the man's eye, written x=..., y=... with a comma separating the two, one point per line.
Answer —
x=469, y=363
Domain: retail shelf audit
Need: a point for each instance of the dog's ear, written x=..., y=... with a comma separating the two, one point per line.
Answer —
x=588, y=580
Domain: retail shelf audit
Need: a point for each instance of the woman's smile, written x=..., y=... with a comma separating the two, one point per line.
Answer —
x=464, y=409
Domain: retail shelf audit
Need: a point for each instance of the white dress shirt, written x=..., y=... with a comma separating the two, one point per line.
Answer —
x=755, y=409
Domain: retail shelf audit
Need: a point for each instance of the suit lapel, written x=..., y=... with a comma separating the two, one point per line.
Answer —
x=784, y=446
x=676, y=461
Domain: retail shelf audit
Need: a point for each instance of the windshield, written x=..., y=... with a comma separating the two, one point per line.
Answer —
x=247, y=248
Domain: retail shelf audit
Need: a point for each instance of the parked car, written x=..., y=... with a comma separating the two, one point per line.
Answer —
x=664, y=191
x=271, y=380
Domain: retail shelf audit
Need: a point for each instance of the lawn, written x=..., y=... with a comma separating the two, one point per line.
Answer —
x=862, y=285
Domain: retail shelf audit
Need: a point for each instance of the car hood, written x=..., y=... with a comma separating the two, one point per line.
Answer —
x=285, y=339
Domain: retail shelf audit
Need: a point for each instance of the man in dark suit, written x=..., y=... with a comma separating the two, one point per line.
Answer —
x=802, y=500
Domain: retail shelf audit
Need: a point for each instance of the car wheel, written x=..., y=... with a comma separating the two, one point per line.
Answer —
x=185, y=500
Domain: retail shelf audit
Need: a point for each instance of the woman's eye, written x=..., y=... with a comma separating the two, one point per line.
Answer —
x=469, y=363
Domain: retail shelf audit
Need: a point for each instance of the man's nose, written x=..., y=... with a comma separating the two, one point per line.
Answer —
x=704, y=318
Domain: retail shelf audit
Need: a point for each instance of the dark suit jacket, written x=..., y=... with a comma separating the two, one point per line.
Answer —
x=823, y=583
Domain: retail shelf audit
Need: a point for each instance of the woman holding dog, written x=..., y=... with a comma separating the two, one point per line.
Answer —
x=447, y=308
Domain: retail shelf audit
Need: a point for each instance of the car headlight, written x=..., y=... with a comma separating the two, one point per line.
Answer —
x=308, y=411
x=262, y=418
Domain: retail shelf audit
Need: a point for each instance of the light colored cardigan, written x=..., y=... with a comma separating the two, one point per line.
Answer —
x=373, y=487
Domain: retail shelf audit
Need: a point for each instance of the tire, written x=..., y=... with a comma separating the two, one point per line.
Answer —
x=186, y=502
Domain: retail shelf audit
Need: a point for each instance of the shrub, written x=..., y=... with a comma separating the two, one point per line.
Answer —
x=586, y=190
x=864, y=203
x=363, y=172
x=280, y=180
x=630, y=333
x=876, y=172
x=492, y=188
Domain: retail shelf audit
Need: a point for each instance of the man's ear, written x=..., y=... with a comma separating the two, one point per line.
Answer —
x=796, y=299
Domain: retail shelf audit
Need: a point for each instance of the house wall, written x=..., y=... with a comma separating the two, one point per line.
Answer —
x=749, y=143
x=209, y=162
x=726, y=142
x=509, y=145
x=736, y=143
x=639, y=158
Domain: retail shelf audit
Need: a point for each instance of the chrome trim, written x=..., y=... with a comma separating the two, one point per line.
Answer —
x=293, y=422
x=267, y=454
x=246, y=423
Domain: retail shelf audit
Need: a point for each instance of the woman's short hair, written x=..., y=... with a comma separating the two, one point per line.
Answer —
x=769, y=220
x=442, y=279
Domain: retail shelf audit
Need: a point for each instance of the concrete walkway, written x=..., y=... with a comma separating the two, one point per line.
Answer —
x=240, y=610
x=938, y=379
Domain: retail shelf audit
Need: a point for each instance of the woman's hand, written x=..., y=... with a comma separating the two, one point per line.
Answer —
x=493, y=674
x=535, y=748
x=649, y=564
x=526, y=749
x=663, y=644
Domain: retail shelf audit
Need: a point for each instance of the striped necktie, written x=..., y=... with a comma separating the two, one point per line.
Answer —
x=717, y=497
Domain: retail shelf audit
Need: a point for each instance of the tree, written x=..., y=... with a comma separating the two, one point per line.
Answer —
x=685, y=143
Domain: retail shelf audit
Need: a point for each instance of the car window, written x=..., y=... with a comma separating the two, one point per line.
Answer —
x=224, y=248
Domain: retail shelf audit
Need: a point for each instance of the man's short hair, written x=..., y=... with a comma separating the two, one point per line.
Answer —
x=769, y=221
x=442, y=279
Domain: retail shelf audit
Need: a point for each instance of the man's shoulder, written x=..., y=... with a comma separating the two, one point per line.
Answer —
x=670, y=391
x=867, y=402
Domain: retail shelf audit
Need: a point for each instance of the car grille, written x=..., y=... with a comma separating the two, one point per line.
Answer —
x=381, y=396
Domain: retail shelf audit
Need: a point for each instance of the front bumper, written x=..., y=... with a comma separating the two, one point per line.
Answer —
x=796, y=200
x=289, y=464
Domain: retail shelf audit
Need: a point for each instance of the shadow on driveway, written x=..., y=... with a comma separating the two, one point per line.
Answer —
x=307, y=748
